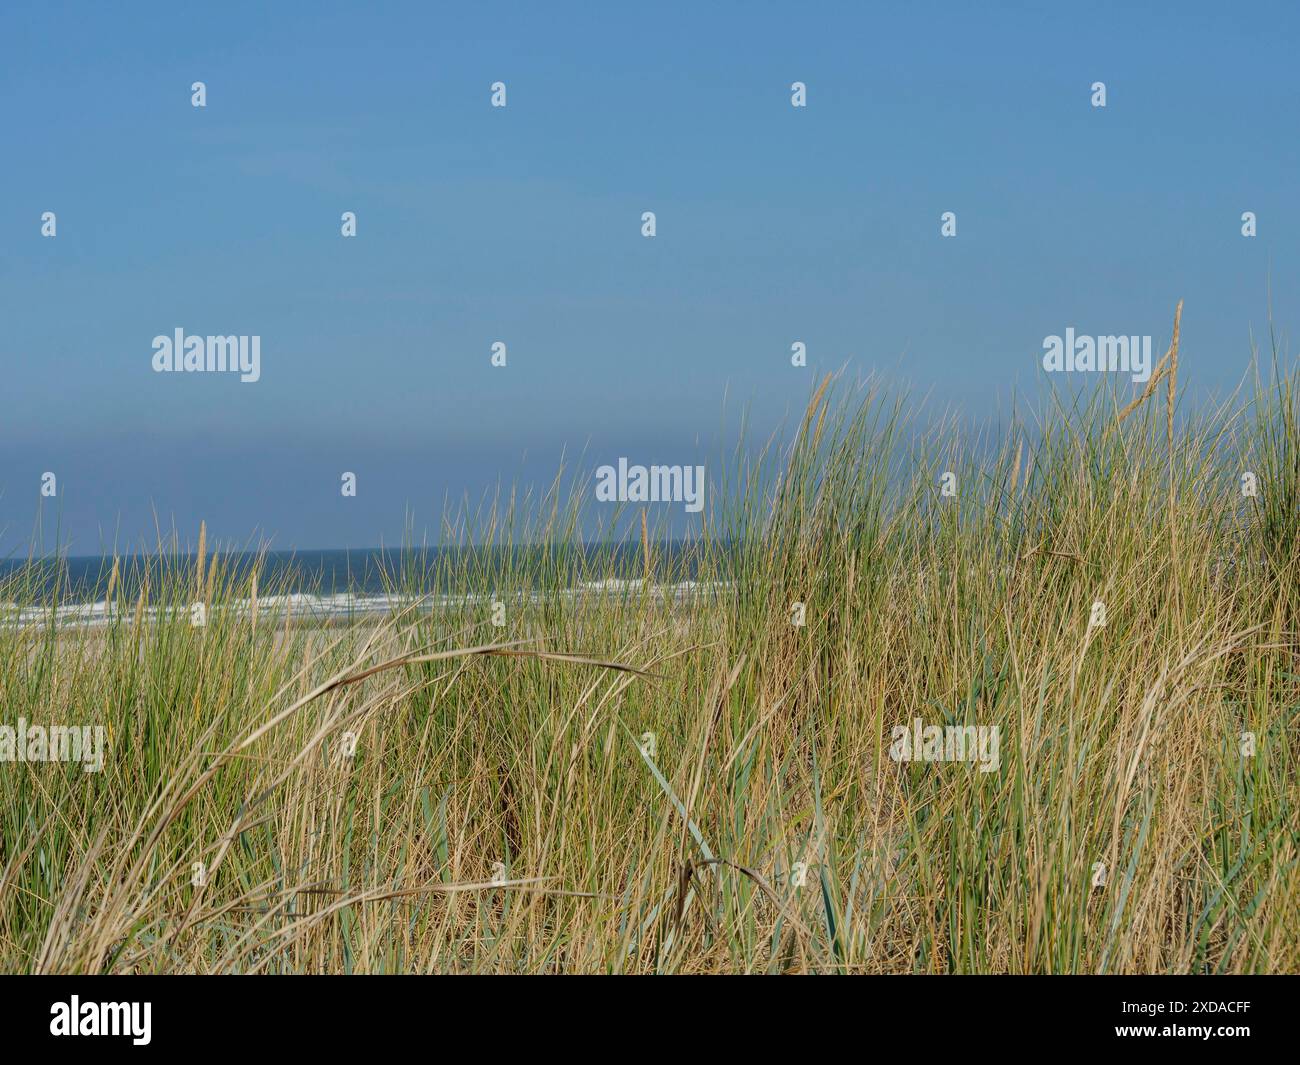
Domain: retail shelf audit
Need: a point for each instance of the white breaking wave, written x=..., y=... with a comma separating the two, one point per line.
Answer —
x=344, y=605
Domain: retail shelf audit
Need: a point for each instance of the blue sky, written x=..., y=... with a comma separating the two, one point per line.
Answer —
x=522, y=224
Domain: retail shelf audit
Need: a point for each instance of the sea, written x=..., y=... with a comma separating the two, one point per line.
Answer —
x=333, y=585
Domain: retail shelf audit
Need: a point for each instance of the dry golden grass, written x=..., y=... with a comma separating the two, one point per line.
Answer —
x=634, y=782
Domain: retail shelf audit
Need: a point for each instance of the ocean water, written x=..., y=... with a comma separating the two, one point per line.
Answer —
x=325, y=585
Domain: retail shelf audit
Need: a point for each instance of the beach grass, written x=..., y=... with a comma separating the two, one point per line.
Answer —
x=668, y=774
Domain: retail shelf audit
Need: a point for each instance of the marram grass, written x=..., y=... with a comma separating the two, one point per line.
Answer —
x=639, y=781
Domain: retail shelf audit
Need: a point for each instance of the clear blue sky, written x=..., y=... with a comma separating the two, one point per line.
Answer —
x=522, y=224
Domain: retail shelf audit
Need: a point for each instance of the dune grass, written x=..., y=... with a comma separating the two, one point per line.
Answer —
x=638, y=781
